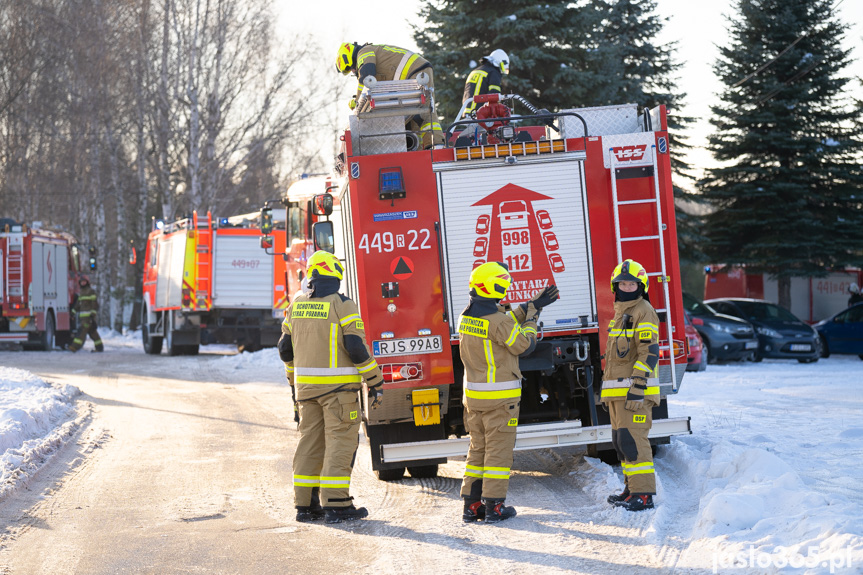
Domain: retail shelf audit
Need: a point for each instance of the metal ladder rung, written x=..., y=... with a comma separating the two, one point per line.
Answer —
x=629, y=202
x=634, y=239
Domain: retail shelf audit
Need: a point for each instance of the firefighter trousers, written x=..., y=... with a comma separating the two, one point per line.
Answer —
x=489, y=457
x=86, y=327
x=428, y=129
x=629, y=431
x=329, y=436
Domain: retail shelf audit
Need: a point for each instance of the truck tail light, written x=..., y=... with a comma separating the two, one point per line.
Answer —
x=679, y=350
x=187, y=297
x=402, y=371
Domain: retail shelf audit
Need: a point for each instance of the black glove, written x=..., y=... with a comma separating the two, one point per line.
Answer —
x=375, y=396
x=296, y=405
x=546, y=297
x=635, y=395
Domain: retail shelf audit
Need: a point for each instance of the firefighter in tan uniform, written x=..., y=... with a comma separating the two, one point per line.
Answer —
x=324, y=345
x=490, y=342
x=486, y=78
x=630, y=386
x=387, y=63
x=86, y=307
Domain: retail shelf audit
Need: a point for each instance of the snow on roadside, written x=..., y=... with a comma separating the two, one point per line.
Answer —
x=36, y=418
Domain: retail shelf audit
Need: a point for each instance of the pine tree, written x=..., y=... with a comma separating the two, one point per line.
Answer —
x=637, y=69
x=563, y=55
x=547, y=44
x=787, y=197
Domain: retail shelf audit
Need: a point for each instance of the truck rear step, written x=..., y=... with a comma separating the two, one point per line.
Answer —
x=531, y=436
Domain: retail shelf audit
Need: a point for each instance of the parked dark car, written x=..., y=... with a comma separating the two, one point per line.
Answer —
x=725, y=337
x=781, y=335
x=842, y=333
x=698, y=354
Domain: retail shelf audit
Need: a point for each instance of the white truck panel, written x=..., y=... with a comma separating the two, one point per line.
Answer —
x=169, y=283
x=536, y=223
x=49, y=268
x=242, y=273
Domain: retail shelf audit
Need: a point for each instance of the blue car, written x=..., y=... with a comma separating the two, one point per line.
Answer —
x=842, y=333
x=781, y=335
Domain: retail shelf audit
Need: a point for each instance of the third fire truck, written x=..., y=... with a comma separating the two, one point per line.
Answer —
x=562, y=201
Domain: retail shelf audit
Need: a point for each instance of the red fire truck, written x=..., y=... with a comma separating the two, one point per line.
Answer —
x=39, y=271
x=559, y=202
x=208, y=281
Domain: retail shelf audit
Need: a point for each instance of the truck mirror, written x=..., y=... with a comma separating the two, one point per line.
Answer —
x=92, y=258
x=323, y=204
x=324, y=239
x=266, y=220
x=133, y=256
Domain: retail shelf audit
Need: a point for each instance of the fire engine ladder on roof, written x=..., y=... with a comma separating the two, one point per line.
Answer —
x=404, y=99
x=203, y=261
x=660, y=227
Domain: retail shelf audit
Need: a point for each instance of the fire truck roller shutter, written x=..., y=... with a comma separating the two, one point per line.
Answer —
x=522, y=202
x=242, y=273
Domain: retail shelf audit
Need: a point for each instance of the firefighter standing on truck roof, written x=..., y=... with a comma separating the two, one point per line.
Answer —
x=486, y=78
x=630, y=385
x=324, y=342
x=387, y=63
x=490, y=342
x=86, y=307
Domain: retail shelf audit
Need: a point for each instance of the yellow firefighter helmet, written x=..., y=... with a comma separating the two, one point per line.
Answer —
x=345, y=58
x=324, y=264
x=491, y=280
x=629, y=271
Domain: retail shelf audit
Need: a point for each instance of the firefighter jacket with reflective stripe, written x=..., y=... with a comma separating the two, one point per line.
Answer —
x=86, y=304
x=483, y=80
x=489, y=348
x=387, y=63
x=632, y=351
x=321, y=362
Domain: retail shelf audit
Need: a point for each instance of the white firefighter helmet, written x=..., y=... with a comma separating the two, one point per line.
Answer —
x=500, y=59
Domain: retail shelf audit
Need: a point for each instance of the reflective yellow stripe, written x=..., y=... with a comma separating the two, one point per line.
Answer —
x=363, y=57
x=641, y=366
x=502, y=394
x=496, y=472
x=287, y=322
x=307, y=480
x=328, y=379
x=637, y=468
x=493, y=88
x=512, y=335
x=648, y=325
x=350, y=318
x=335, y=482
x=620, y=332
x=615, y=392
x=473, y=471
x=334, y=345
x=408, y=65
x=528, y=331
x=367, y=367
x=489, y=358
x=289, y=368
x=434, y=126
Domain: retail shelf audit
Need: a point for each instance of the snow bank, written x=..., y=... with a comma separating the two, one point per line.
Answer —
x=35, y=419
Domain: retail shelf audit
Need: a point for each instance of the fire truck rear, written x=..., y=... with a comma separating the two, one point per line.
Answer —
x=39, y=271
x=208, y=281
x=560, y=202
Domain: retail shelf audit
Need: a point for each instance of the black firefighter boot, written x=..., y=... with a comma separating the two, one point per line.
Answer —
x=313, y=511
x=615, y=498
x=496, y=511
x=636, y=503
x=349, y=513
x=474, y=510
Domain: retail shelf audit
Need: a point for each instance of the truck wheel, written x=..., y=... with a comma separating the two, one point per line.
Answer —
x=152, y=343
x=390, y=474
x=173, y=349
x=423, y=471
x=192, y=349
x=48, y=334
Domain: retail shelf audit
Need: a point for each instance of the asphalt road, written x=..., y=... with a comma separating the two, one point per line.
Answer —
x=183, y=466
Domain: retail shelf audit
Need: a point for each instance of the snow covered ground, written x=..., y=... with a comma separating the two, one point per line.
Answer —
x=767, y=483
